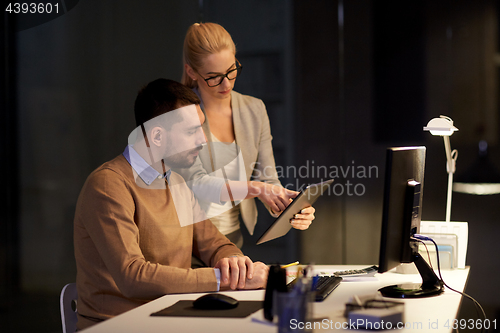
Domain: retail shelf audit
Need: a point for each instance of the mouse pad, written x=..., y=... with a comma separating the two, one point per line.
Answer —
x=185, y=309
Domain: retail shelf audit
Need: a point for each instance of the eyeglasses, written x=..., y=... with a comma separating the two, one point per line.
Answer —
x=214, y=81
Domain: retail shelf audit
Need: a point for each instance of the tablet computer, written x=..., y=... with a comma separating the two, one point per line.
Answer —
x=304, y=199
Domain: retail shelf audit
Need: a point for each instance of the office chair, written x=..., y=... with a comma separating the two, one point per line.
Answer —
x=67, y=302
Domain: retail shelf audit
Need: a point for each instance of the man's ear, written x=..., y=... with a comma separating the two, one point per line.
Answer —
x=157, y=134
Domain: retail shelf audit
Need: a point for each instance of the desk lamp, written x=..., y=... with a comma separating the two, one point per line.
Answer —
x=443, y=126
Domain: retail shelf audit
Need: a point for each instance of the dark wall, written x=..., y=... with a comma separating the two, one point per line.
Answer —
x=9, y=193
x=370, y=75
x=399, y=71
x=339, y=79
x=462, y=82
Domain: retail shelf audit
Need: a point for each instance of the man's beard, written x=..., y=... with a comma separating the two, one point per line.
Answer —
x=182, y=160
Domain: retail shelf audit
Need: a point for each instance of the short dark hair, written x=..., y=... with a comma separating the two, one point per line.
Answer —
x=161, y=96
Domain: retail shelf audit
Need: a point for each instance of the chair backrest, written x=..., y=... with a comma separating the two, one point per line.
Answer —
x=67, y=302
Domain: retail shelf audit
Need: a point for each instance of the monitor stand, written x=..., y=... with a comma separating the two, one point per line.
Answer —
x=431, y=285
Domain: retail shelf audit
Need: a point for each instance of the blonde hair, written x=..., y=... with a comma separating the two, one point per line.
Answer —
x=203, y=39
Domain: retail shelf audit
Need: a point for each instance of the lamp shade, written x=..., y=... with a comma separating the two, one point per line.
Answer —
x=442, y=126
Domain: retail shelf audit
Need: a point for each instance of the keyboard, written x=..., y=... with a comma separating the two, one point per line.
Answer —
x=325, y=285
x=368, y=271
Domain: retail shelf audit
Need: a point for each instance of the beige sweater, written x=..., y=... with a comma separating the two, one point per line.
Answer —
x=130, y=247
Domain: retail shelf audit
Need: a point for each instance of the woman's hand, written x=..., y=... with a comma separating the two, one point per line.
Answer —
x=276, y=197
x=303, y=220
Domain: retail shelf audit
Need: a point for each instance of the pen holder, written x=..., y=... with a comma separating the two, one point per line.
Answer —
x=276, y=282
x=293, y=309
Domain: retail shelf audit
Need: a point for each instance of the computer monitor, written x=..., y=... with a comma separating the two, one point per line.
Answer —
x=403, y=188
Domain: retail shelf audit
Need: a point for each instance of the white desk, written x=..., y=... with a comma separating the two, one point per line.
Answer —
x=419, y=313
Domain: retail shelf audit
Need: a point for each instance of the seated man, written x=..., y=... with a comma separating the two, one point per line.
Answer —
x=137, y=224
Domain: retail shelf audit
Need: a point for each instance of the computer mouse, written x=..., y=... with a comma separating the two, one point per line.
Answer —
x=215, y=301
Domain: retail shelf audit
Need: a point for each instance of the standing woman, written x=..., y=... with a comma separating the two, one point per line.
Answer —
x=236, y=125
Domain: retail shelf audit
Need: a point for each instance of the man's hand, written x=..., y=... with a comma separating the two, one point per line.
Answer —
x=259, y=279
x=303, y=220
x=242, y=273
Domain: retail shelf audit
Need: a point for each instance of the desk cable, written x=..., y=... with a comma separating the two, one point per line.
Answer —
x=479, y=308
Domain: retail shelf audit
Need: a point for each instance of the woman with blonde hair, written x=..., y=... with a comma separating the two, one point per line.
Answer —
x=239, y=139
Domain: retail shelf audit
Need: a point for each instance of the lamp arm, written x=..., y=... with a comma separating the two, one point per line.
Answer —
x=450, y=166
x=448, y=200
x=451, y=158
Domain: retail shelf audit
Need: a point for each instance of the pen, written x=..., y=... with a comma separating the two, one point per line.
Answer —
x=265, y=322
x=357, y=300
x=290, y=265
